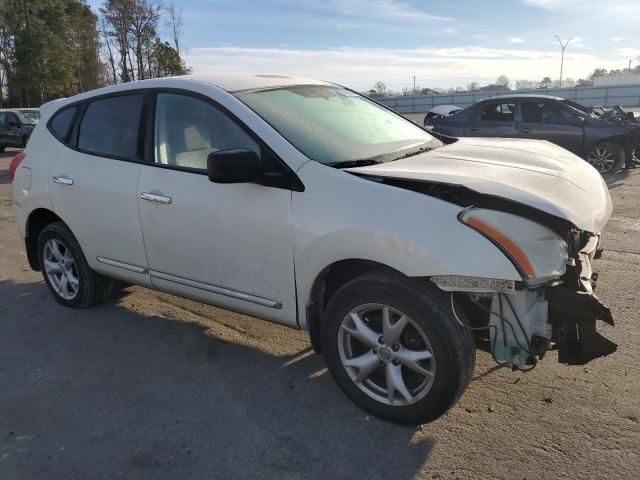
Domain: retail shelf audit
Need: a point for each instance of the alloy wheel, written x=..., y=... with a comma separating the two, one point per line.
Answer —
x=60, y=267
x=602, y=158
x=386, y=354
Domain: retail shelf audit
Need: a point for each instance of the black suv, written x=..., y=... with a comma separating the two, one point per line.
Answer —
x=602, y=143
x=16, y=127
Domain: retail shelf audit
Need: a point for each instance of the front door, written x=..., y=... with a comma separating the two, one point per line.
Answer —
x=543, y=119
x=93, y=187
x=224, y=244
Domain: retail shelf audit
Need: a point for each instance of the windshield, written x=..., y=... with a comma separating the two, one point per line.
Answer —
x=333, y=125
x=28, y=118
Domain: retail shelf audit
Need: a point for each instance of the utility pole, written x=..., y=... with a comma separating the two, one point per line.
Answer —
x=563, y=46
x=413, y=96
x=630, y=66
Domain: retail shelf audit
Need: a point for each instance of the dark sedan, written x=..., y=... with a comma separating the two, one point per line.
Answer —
x=603, y=144
x=16, y=126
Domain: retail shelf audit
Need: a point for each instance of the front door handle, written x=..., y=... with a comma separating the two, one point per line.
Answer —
x=152, y=197
x=63, y=180
x=526, y=130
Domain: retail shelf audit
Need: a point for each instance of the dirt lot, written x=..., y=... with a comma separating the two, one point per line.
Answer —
x=153, y=386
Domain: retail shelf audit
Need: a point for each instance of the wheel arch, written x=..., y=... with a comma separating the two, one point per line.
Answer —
x=37, y=220
x=327, y=283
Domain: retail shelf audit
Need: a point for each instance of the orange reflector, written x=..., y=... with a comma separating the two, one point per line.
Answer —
x=511, y=248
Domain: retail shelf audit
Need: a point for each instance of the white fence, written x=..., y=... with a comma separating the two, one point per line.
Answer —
x=625, y=95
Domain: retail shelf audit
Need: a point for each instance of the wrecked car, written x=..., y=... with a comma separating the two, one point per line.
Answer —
x=439, y=112
x=304, y=203
x=604, y=144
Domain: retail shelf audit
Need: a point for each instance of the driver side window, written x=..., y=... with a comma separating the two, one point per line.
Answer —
x=543, y=112
x=187, y=130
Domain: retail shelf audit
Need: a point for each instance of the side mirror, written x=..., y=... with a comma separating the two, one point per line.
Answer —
x=234, y=166
x=577, y=121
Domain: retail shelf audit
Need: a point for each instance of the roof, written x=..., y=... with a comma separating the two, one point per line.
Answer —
x=229, y=83
x=522, y=95
x=236, y=83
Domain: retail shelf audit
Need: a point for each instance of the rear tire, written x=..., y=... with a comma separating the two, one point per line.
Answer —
x=66, y=271
x=429, y=356
x=24, y=142
x=606, y=157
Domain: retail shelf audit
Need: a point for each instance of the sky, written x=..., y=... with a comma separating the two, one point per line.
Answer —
x=442, y=43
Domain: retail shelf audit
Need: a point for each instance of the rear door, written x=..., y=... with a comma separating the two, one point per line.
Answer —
x=493, y=119
x=93, y=184
x=542, y=119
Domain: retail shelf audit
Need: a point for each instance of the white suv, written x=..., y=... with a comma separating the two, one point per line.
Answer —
x=305, y=203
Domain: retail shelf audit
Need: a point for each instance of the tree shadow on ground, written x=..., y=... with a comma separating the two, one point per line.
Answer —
x=110, y=392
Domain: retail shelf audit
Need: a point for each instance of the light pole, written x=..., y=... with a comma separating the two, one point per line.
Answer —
x=413, y=96
x=563, y=46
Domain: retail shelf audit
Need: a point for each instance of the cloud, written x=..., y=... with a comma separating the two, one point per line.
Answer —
x=433, y=67
x=516, y=40
x=628, y=52
x=612, y=6
x=367, y=9
x=616, y=39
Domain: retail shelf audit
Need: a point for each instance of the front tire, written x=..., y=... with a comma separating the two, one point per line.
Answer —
x=66, y=271
x=394, y=347
x=606, y=157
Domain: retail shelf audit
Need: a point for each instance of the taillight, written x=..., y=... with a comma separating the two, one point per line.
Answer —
x=13, y=166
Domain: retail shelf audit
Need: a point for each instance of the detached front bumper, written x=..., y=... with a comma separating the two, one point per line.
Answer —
x=574, y=309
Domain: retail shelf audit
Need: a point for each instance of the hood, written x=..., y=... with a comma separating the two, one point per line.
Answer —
x=535, y=173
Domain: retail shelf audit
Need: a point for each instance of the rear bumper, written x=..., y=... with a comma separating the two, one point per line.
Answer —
x=574, y=310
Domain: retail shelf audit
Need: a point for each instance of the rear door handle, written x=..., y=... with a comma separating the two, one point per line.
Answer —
x=62, y=180
x=526, y=130
x=152, y=197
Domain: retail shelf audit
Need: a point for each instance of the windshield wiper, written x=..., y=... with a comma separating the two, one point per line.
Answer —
x=355, y=163
x=385, y=157
x=412, y=153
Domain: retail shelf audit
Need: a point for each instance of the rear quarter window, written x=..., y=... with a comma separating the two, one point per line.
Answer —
x=61, y=123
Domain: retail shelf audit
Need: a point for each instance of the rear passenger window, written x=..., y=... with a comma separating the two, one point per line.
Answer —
x=61, y=123
x=110, y=127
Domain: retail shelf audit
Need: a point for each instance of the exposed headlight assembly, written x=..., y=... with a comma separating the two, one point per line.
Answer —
x=535, y=250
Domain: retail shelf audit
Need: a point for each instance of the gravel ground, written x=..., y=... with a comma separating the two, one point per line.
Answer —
x=153, y=386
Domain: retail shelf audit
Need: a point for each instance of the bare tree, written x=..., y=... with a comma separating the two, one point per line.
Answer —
x=174, y=25
x=107, y=51
x=472, y=86
x=145, y=15
x=503, y=80
x=526, y=84
x=380, y=88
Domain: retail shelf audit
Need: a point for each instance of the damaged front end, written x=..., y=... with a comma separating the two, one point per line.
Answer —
x=522, y=320
x=574, y=308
